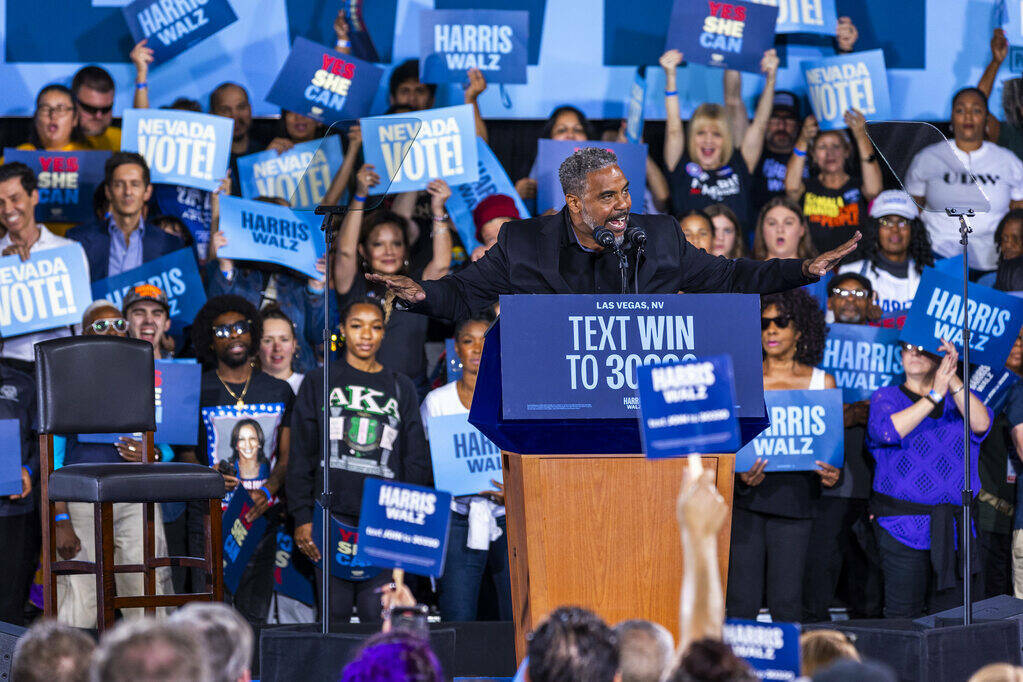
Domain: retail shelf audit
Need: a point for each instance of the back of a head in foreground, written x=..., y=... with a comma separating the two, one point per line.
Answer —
x=998, y=672
x=819, y=649
x=856, y=671
x=395, y=656
x=149, y=650
x=572, y=645
x=644, y=650
x=52, y=652
x=711, y=660
x=227, y=635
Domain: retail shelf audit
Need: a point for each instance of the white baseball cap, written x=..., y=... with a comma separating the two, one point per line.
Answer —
x=894, y=202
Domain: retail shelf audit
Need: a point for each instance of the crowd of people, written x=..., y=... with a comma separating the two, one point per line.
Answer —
x=877, y=536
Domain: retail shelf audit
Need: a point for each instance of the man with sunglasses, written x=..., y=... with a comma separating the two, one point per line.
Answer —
x=93, y=91
x=19, y=195
x=124, y=241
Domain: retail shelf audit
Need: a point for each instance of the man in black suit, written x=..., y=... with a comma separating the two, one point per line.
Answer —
x=580, y=250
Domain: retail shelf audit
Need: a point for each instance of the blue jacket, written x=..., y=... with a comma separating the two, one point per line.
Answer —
x=95, y=240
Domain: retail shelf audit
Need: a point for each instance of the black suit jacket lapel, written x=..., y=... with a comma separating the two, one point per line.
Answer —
x=550, y=251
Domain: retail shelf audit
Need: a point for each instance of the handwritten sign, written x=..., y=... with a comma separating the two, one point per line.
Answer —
x=181, y=147
x=51, y=289
x=453, y=41
x=269, y=233
x=173, y=27
x=852, y=81
x=300, y=175
x=806, y=426
x=67, y=182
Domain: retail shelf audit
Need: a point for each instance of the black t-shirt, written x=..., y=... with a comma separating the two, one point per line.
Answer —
x=375, y=432
x=591, y=271
x=692, y=187
x=792, y=494
x=768, y=180
x=833, y=215
x=404, y=346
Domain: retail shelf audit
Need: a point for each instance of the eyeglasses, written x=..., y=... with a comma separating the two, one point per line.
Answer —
x=118, y=324
x=95, y=111
x=225, y=331
x=781, y=322
x=893, y=222
x=845, y=293
x=59, y=111
x=910, y=348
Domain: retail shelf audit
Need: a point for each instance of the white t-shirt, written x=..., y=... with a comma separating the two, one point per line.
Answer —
x=893, y=293
x=999, y=175
x=295, y=381
x=440, y=402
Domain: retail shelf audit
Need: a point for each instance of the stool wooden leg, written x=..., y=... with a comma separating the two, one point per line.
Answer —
x=48, y=531
x=148, y=553
x=105, y=586
x=215, y=550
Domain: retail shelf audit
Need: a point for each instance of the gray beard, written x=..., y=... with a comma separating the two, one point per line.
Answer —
x=619, y=241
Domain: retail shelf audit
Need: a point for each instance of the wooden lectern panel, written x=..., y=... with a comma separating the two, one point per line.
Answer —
x=599, y=531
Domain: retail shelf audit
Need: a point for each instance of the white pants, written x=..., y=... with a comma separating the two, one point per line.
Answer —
x=76, y=594
x=1017, y=563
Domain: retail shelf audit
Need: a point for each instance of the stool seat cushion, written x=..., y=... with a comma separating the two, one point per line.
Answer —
x=135, y=482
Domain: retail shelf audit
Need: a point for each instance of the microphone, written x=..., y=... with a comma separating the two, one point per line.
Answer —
x=635, y=235
x=604, y=237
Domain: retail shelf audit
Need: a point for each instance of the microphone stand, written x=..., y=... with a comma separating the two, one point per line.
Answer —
x=967, y=496
x=329, y=228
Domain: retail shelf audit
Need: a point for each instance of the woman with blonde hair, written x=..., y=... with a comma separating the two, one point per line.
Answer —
x=820, y=649
x=998, y=672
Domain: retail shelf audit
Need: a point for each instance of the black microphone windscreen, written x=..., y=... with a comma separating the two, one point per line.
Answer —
x=604, y=237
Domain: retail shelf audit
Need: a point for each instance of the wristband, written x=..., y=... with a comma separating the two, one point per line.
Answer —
x=266, y=491
x=961, y=387
x=28, y=469
x=341, y=44
x=61, y=517
x=141, y=86
x=670, y=93
x=935, y=397
x=441, y=218
x=798, y=152
x=356, y=197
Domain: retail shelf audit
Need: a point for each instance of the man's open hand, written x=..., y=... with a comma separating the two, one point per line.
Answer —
x=819, y=266
x=405, y=288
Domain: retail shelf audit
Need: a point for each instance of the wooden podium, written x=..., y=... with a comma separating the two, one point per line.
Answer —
x=599, y=531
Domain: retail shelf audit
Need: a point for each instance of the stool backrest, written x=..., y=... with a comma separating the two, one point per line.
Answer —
x=95, y=384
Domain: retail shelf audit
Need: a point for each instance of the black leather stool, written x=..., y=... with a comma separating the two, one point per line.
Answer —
x=100, y=384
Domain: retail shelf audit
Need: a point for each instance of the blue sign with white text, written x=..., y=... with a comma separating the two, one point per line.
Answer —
x=10, y=457
x=850, y=81
x=937, y=313
x=454, y=363
x=300, y=175
x=454, y=41
x=240, y=537
x=993, y=385
x=551, y=153
x=806, y=426
x=181, y=147
x=635, y=106
x=688, y=408
x=771, y=649
x=192, y=207
x=464, y=460
x=324, y=84
x=413, y=149
x=51, y=289
x=344, y=541
x=465, y=197
x=862, y=359
x=806, y=16
x=176, y=274
x=67, y=182
x=404, y=526
x=269, y=233
x=173, y=27
x=586, y=361
x=288, y=581
x=730, y=35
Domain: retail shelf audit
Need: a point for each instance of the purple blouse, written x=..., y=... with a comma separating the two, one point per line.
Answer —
x=926, y=466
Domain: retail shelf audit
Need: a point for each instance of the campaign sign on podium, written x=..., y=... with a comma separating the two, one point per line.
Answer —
x=688, y=408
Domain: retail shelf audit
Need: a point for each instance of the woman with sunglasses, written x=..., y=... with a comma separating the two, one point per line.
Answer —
x=895, y=251
x=772, y=514
x=915, y=434
x=375, y=432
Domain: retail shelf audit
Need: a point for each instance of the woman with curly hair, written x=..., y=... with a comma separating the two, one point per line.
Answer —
x=772, y=513
x=895, y=251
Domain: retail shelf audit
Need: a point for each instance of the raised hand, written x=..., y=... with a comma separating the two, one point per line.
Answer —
x=946, y=368
x=477, y=84
x=999, y=45
x=439, y=192
x=700, y=509
x=141, y=56
x=366, y=178
x=670, y=60
x=769, y=63
x=819, y=266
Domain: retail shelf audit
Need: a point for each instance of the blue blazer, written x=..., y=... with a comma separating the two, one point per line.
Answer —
x=95, y=240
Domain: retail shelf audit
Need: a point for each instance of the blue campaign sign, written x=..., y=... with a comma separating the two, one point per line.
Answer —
x=404, y=526
x=453, y=41
x=850, y=81
x=635, y=106
x=344, y=540
x=992, y=385
x=413, y=149
x=937, y=313
x=771, y=649
x=862, y=359
x=551, y=153
x=730, y=35
x=269, y=233
x=464, y=460
x=464, y=198
x=10, y=457
x=806, y=426
x=288, y=581
x=454, y=363
x=585, y=363
x=176, y=274
x=688, y=408
x=67, y=181
x=181, y=147
x=300, y=175
x=324, y=84
x=806, y=16
x=51, y=289
x=240, y=537
x=192, y=207
x=173, y=27
x=1016, y=59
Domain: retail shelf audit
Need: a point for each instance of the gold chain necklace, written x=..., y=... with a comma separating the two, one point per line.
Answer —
x=240, y=398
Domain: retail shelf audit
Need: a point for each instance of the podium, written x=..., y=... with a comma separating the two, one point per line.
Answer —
x=588, y=525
